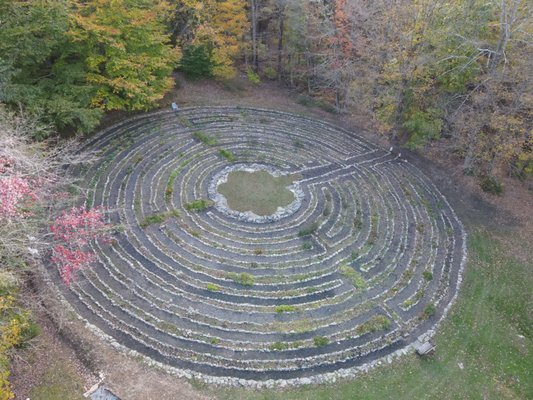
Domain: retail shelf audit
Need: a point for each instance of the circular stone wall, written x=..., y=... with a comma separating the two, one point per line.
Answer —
x=367, y=261
x=221, y=202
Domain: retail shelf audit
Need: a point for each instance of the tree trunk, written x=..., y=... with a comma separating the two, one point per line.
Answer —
x=471, y=149
x=253, y=12
x=291, y=75
x=280, y=41
x=507, y=20
x=400, y=109
x=309, y=73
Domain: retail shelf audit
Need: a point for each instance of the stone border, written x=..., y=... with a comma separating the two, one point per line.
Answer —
x=221, y=203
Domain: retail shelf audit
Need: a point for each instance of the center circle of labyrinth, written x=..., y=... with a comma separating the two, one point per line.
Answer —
x=255, y=193
x=364, y=259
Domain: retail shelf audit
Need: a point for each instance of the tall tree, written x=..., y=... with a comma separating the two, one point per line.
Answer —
x=229, y=23
x=213, y=33
x=493, y=118
x=126, y=51
x=41, y=70
x=254, y=18
x=298, y=41
x=280, y=9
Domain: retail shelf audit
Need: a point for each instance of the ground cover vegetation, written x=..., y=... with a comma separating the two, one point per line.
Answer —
x=257, y=191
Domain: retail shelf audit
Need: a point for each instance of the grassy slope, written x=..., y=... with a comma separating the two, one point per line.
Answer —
x=482, y=332
x=58, y=382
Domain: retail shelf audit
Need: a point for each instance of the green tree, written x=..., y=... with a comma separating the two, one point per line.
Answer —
x=126, y=51
x=40, y=69
x=197, y=60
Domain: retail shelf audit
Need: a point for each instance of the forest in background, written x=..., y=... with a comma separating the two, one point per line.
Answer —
x=425, y=70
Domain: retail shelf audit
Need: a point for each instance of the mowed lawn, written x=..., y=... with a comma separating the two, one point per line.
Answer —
x=488, y=333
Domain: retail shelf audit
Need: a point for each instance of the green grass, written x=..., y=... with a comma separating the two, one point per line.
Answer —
x=284, y=308
x=169, y=327
x=31, y=331
x=481, y=332
x=307, y=245
x=258, y=191
x=233, y=85
x=298, y=144
x=228, y=155
x=320, y=341
x=308, y=101
x=429, y=310
x=213, y=287
x=244, y=278
x=199, y=205
x=185, y=121
x=279, y=346
x=169, y=190
x=205, y=139
x=374, y=324
x=308, y=230
x=8, y=282
x=173, y=175
x=158, y=218
x=491, y=185
x=152, y=219
x=357, y=280
x=73, y=190
x=58, y=382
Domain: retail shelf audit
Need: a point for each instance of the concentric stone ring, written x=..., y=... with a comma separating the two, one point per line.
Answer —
x=221, y=203
x=365, y=261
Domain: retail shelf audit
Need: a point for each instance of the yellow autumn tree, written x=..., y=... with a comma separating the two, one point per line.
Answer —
x=126, y=50
x=14, y=326
x=230, y=23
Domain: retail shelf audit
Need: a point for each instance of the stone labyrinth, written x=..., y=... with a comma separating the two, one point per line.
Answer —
x=363, y=263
